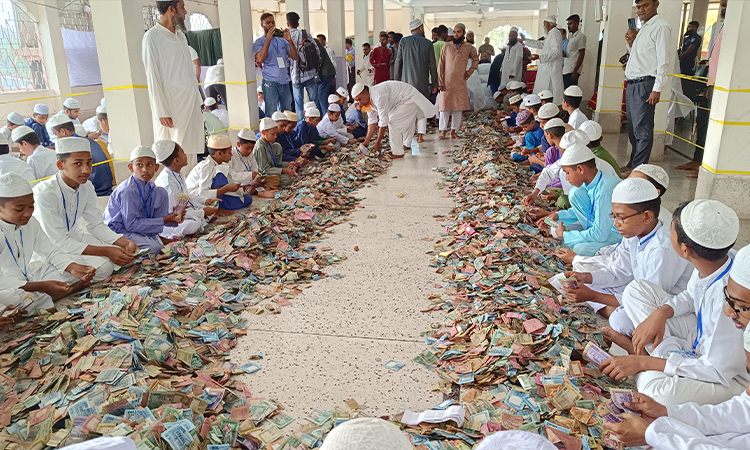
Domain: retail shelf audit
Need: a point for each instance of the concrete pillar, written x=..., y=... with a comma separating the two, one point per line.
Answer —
x=239, y=64
x=406, y=16
x=378, y=18
x=361, y=32
x=123, y=75
x=671, y=11
x=590, y=28
x=565, y=8
x=552, y=7
x=540, y=31
x=611, y=75
x=56, y=64
x=699, y=12
x=301, y=7
x=337, y=37
x=725, y=175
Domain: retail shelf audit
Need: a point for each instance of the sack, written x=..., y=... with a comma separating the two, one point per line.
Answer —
x=326, y=65
x=309, y=59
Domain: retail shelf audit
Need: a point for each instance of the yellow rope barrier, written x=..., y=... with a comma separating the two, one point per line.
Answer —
x=97, y=164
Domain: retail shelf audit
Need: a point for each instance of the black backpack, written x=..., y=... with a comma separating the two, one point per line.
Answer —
x=326, y=65
x=308, y=53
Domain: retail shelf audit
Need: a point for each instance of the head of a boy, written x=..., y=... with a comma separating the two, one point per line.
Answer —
x=269, y=129
x=654, y=174
x=579, y=164
x=26, y=140
x=635, y=207
x=554, y=130
x=74, y=160
x=246, y=142
x=314, y=121
x=103, y=122
x=528, y=124
x=17, y=207
x=515, y=103
x=143, y=163
x=220, y=148
x=62, y=126
x=170, y=154
x=334, y=115
x=704, y=230
x=571, y=103
x=737, y=293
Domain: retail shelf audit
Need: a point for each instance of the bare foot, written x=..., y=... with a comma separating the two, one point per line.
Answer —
x=396, y=156
x=692, y=174
x=692, y=165
x=420, y=138
x=442, y=135
x=267, y=194
x=613, y=337
x=625, y=173
x=454, y=135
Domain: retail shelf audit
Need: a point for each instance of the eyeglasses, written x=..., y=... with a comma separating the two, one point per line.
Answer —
x=730, y=301
x=618, y=219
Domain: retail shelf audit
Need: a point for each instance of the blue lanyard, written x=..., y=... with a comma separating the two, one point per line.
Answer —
x=65, y=207
x=700, y=310
x=150, y=199
x=648, y=238
x=20, y=251
x=181, y=184
x=243, y=161
x=270, y=152
x=591, y=213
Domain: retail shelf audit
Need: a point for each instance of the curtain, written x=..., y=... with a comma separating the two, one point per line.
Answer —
x=208, y=45
x=83, y=61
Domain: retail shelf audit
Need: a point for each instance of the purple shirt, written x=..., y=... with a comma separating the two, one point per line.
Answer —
x=550, y=156
x=137, y=207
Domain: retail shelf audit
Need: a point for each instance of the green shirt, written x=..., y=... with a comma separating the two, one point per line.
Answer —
x=262, y=154
x=600, y=152
x=438, y=47
x=213, y=125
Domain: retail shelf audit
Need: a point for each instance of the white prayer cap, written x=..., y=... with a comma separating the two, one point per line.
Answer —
x=246, y=134
x=450, y=31
x=552, y=20
x=572, y=138
x=576, y=154
x=532, y=99
x=521, y=85
x=470, y=32
x=101, y=110
x=512, y=29
x=515, y=440
x=13, y=185
x=105, y=443
x=333, y=107
x=546, y=95
x=163, y=149
x=219, y=141
x=341, y=91
x=592, y=129
x=291, y=116
x=142, y=151
x=634, y=190
x=415, y=23
x=15, y=118
x=515, y=99
x=312, y=112
x=548, y=111
x=573, y=91
x=366, y=434
x=210, y=101
x=740, y=273
x=513, y=85
x=309, y=105
x=278, y=115
x=20, y=132
x=59, y=119
x=103, y=103
x=267, y=124
x=71, y=103
x=220, y=61
x=502, y=86
x=260, y=88
x=710, y=223
x=747, y=339
x=461, y=26
x=80, y=131
x=333, y=98
x=41, y=109
x=68, y=145
x=554, y=123
x=357, y=89
x=655, y=172
x=497, y=94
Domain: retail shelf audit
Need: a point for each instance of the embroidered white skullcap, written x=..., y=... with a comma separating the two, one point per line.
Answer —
x=634, y=190
x=746, y=336
x=105, y=443
x=71, y=103
x=246, y=134
x=20, y=132
x=366, y=434
x=655, y=172
x=41, y=109
x=210, y=101
x=710, y=223
x=575, y=137
x=163, y=149
x=101, y=110
x=333, y=98
x=740, y=272
x=554, y=123
x=546, y=95
x=415, y=23
x=341, y=91
x=592, y=129
x=513, y=85
x=142, y=151
x=312, y=112
x=80, y=131
x=515, y=99
x=333, y=107
x=278, y=115
x=532, y=99
x=512, y=29
x=573, y=91
x=15, y=118
x=59, y=119
x=521, y=85
x=291, y=116
x=68, y=145
x=13, y=185
x=551, y=19
x=497, y=94
x=219, y=141
x=515, y=440
x=309, y=105
x=548, y=111
x=576, y=154
x=267, y=123
x=357, y=89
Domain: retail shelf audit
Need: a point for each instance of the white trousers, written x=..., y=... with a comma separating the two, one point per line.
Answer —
x=640, y=299
x=191, y=225
x=421, y=126
x=455, y=118
x=40, y=272
x=401, y=126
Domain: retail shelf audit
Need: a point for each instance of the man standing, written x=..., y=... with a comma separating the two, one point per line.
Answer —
x=366, y=73
x=272, y=53
x=574, y=53
x=691, y=44
x=327, y=82
x=452, y=76
x=172, y=86
x=549, y=76
x=214, y=82
x=487, y=47
x=350, y=64
x=646, y=72
x=494, y=78
x=380, y=59
x=304, y=73
x=438, y=46
x=469, y=37
x=434, y=35
x=513, y=61
x=415, y=65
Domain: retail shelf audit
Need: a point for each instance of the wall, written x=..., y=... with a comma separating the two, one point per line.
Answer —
x=527, y=22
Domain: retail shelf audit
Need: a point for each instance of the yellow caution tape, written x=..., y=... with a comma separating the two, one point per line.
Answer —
x=612, y=87
x=94, y=165
x=719, y=88
x=735, y=124
x=682, y=139
x=725, y=172
x=611, y=65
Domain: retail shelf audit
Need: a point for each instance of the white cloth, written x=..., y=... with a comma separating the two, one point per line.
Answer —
x=6, y=137
x=549, y=75
x=512, y=64
x=652, y=53
x=214, y=75
x=669, y=434
x=175, y=184
x=242, y=167
x=91, y=125
x=366, y=434
x=576, y=43
x=223, y=115
x=554, y=171
x=422, y=126
x=104, y=443
x=11, y=164
x=173, y=88
x=577, y=118
x=327, y=129
x=367, y=72
x=202, y=176
x=454, y=117
x=43, y=162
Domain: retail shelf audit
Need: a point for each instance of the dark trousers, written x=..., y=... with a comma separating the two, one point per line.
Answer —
x=640, y=121
x=218, y=92
x=568, y=80
x=701, y=123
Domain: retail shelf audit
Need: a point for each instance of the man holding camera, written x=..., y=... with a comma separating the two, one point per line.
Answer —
x=272, y=53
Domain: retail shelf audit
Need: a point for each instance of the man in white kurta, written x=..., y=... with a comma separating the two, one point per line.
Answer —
x=512, y=69
x=549, y=75
x=172, y=86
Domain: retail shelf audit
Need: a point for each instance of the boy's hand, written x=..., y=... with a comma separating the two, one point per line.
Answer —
x=208, y=211
x=234, y=187
x=530, y=199
x=119, y=255
x=130, y=247
x=631, y=431
x=83, y=273
x=289, y=172
x=173, y=218
x=650, y=408
x=581, y=277
x=560, y=230
x=651, y=329
x=55, y=289
x=566, y=255
x=540, y=222
x=580, y=295
x=213, y=201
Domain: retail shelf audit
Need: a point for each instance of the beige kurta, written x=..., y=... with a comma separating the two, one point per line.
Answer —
x=451, y=75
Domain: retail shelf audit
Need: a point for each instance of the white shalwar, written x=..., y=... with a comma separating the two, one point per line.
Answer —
x=716, y=371
x=397, y=105
x=43, y=162
x=195, y=219
x=327, y=129
x=60, y=211
x=173, y=89
x=242, y=167
x=10, y=163
x=549, y=76
x=454, y=117
x=708, y=427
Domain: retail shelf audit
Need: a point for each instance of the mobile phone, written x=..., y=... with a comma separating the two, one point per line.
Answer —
x=631, y=24
x=278, y=33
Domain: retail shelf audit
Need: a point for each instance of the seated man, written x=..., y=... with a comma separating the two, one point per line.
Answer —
x=37, y=122
x=268, y=154
x=11, y=164
x=209, y=178
x=72, y=109
x=594, y=131
x=696, y=353
x=307, y=133
x=68, y=197
x=14, y=120
x=35, y=271
x=41, y=160
x=92, y=124
x=327, y=128
x=138, y=209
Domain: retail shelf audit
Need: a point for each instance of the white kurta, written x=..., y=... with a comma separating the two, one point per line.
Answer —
x=43, y=162
x=175, y=184
x=9, y=163
x=52, y=136
x=367, y=72
x=223, y=115
x=5, y=136
x=576, y=119
x=214, y=75
x=202, y=176
x=512, y=64
x=173, y=88
x=242, y=167
x=549, y=76
x=327, y=129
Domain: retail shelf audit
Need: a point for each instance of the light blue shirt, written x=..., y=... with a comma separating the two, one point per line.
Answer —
x=596, y=223
x=279, y=48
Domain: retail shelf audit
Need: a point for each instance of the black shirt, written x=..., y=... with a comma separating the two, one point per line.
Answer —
x=687, y=64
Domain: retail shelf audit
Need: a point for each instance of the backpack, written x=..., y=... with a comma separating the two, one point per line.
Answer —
x=326, y=65
x=308, y=53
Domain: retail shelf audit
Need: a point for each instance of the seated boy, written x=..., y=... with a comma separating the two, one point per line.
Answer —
x=41, y=160
x=71, y=109
x=554, y=130
x=138, y=209
x=327, y=127
x=35, y=271
x=695, y=352
x=68, y=197
x=307, y=133
x=533, y=103
x=287, y=138
x=11, y=164
x=572, y=98
x=37, y=122
x=209, y=178
x=659, y=178
x=356, y=117
x=547, y=97
x=345, y=129
x=594, y=131
x=13, y=121
x=242, y=168
x=590, y=204
x=268, y=154
x=532, y=140
x=508, y=122
x=645, y=253
x=92, y=125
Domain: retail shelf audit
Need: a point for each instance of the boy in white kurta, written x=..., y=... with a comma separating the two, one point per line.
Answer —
x=41, y=160
x=67, y=200
x=211, y=177
x=243, y=167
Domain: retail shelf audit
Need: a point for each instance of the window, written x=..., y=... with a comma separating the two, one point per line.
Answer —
x=151, y=17
x=499, y=36
x=22, y=65
x=76, y=15
x=199, y=22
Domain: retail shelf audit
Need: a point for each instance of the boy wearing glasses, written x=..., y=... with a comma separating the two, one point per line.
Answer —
x=684, y=349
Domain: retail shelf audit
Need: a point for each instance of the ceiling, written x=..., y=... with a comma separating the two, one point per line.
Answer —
x=460, y=6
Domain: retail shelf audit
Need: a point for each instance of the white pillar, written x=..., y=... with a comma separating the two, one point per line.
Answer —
x=118, y=43
x=301, y=7
x=540, y=31
x=239, y=64
x=56, y=64
x=361, y=32
x=590, y=28
x=725, y=175
x=406, y=16
x=337, y=37
x=378, y=18
x=553, y=8
x=671, y=11
x=699, y=12
x=611, y=76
